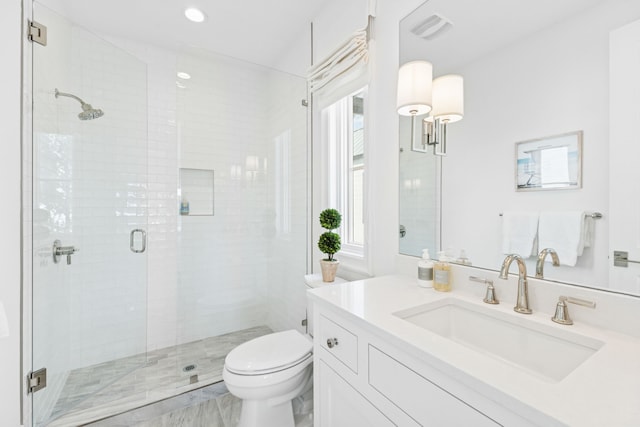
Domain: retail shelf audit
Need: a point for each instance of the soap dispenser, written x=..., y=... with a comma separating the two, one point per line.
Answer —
x=442, y=273
x=425, y=270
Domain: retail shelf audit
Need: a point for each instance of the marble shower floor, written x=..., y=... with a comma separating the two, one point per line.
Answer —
x=211, y=406
x=160, y=378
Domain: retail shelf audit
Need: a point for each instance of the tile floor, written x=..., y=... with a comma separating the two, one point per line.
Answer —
x=86, y=397
x=211, y=406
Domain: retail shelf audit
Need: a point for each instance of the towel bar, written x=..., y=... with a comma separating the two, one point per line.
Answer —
x=595, y=215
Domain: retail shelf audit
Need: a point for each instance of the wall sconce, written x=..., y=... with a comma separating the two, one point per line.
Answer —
x=419, y=94
x=448, y=107
x=414, y=90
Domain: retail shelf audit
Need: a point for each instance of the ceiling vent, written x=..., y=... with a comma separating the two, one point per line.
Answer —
x=432, y=27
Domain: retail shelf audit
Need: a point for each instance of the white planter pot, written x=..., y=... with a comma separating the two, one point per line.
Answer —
x=329, y=269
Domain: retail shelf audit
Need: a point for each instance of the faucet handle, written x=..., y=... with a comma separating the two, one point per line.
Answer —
x=562, y=311
x=490, y=296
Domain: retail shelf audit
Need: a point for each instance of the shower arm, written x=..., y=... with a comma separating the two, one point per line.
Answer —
x=58, y=93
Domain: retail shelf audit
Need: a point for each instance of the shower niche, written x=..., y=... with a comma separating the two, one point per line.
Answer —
x=195, y=193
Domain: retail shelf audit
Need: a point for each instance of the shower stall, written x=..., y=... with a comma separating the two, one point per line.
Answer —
x=168, y=217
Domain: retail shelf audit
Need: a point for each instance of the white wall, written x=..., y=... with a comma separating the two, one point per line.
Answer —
x=385, y=149
x=10, y=75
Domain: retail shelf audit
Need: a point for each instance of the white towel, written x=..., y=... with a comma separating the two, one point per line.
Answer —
x=587, y=232
x=568, y=233
x=519, y=233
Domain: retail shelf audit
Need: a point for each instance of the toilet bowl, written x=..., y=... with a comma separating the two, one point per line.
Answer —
x=267, y=373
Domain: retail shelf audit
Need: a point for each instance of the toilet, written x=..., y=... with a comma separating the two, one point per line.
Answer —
x=268, y=372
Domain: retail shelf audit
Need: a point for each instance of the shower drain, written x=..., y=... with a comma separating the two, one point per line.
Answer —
x=189, y=368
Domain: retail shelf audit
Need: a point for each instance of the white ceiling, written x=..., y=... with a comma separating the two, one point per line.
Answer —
x=480, y=27
x=261, y=31
x=258, y=31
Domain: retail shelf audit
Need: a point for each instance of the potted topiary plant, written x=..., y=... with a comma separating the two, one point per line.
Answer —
x=329, y=243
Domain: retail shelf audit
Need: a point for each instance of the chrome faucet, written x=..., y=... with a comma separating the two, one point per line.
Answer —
x=522, y=302
x=540, y=263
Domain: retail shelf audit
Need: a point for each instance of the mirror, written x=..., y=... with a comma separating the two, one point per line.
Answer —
x=544, y=71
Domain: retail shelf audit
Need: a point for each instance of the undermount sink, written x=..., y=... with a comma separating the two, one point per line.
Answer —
x=543, y=350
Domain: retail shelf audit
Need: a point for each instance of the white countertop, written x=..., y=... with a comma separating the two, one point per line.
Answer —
x=315, y=280
x=602, y=391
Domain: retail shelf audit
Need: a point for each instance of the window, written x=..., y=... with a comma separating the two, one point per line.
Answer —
x=346, y=143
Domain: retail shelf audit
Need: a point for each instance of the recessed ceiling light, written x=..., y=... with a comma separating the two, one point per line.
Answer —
x=180, y=85
x=195, y=15
x=184, y=76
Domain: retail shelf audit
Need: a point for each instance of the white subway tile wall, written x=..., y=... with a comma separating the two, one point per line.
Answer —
x=235, y=270
x=89, y=191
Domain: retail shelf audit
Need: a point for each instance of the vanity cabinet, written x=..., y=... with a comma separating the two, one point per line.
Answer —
x=362, y=379
x=342, y=405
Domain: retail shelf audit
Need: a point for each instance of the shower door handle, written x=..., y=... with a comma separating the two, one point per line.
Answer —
x=132, y=245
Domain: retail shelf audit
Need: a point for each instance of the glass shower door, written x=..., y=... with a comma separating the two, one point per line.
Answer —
x=89, y=218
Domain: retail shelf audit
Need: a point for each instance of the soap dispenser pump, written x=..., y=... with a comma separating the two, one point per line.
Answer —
x=425, y=270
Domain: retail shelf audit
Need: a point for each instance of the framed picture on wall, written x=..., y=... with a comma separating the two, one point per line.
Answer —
x=550, y=163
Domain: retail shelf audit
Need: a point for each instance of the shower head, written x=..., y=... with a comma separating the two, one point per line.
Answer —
x=88, y=112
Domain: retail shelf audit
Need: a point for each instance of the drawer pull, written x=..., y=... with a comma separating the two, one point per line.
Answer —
x=332, y=342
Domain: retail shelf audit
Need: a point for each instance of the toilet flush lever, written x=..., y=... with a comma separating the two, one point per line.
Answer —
x=332, y=342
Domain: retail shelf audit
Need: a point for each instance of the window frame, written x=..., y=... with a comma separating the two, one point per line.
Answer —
x=338, y=138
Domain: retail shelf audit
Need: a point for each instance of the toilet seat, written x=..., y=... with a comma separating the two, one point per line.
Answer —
x=269, y=353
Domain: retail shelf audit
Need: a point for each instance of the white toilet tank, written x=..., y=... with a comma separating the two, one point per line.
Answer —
x=315, y=281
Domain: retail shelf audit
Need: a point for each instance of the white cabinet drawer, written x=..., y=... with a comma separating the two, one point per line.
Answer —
x=418, y=397
x=338, y=341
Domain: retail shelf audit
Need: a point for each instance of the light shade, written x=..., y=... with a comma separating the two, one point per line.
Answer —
x=448, y=98
x=414, y=88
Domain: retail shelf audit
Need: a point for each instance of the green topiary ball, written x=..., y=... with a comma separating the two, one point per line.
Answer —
x=330, y=219
x=329, y=243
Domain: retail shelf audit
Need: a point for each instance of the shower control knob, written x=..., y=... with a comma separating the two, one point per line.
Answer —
x=332, y=342
x=59, y=250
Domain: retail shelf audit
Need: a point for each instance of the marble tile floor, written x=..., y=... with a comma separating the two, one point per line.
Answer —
x=160, y=378
x=211, y=406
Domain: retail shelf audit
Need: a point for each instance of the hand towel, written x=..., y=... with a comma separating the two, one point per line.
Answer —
x=519, y=233
x=587, y=232
x=565, y=232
